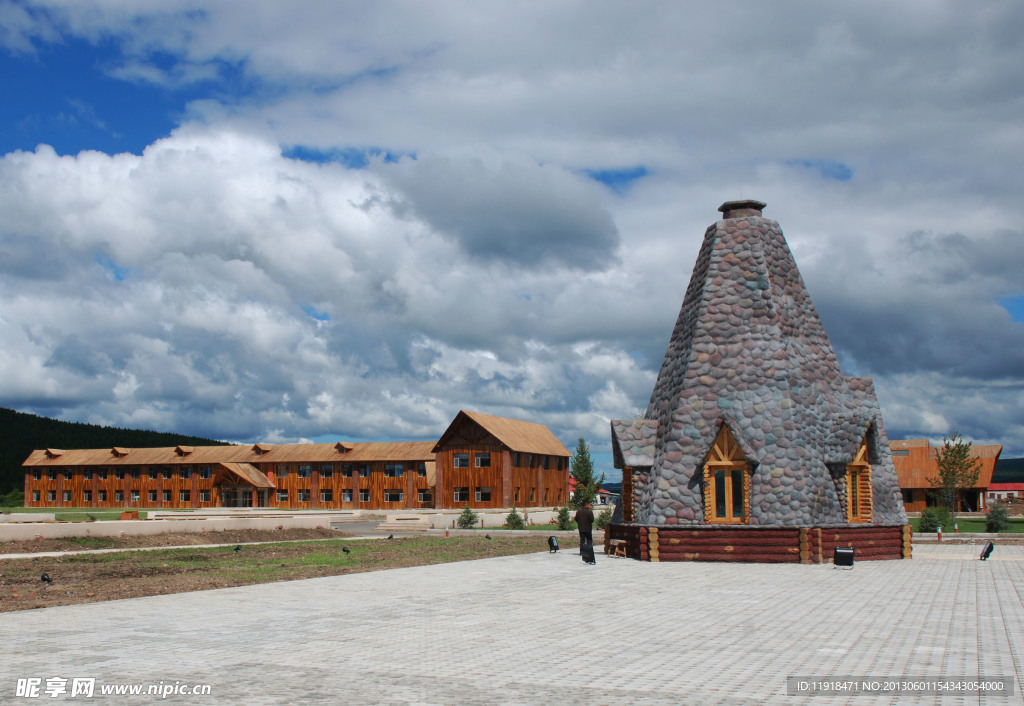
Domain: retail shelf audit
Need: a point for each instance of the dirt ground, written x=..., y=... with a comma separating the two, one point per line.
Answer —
x=168, y=539
x=88, y=578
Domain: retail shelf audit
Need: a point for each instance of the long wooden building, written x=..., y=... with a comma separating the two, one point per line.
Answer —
x=481, y=460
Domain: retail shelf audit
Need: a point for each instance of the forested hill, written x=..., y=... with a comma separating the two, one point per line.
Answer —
x=21, y=434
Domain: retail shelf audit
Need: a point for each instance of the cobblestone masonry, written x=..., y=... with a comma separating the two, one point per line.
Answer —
x=534, y=629
x=748, y=350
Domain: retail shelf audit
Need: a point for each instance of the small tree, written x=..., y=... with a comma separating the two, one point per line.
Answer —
x=997, y=518
x=564, y=518
x=582, y=470
x=467, y=519
x=604, y=519
x=514, y=520
x=958, y=470
x=934, y=517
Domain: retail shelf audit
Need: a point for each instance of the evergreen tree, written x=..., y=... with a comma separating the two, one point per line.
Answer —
x=564, y=518
x=958, y=471
x=582, y=470
x=468, y=518
x=514, y=520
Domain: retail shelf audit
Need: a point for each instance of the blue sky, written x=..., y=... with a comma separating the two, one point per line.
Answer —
x=264, y=222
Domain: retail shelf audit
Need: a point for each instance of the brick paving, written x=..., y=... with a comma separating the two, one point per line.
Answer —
x=542, y=628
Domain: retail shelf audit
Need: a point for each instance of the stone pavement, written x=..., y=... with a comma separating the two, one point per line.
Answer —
x=542, y=628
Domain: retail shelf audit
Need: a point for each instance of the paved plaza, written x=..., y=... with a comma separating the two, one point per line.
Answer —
x=540, y=628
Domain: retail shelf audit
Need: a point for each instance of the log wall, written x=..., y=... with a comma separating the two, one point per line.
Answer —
x=804, y=545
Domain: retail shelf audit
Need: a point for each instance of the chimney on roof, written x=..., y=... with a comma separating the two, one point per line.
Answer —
x=742, y=209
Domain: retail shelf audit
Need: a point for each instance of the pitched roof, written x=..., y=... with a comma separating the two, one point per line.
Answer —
x=524, y=437
x=748, y=350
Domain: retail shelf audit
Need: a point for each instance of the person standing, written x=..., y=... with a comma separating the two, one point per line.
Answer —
x=584, y=520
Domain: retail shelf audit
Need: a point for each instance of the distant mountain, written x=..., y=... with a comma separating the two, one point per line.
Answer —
x=613, y=488
x=1009, y=470
x=21, y=434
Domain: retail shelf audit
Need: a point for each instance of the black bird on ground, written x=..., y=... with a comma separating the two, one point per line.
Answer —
x=390, y=537
x=238, y=548
x=487, y=536
x=345, y=549
x=45, y=578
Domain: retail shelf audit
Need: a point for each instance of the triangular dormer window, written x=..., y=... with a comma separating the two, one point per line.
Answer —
x=54, y=453
x=119, y=451
x=183, y=450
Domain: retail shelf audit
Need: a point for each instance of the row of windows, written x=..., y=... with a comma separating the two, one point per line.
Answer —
x=184, y=472
x=327, y=496
x=482, y=459
x=484, y=495
x=391, y=470
x=184, y=496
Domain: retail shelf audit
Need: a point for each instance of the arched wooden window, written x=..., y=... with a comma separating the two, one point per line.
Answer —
x=726, y=482
x=858, y=486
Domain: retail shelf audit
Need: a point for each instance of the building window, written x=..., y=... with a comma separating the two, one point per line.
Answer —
x=559, y=463
x=304, y=470
x=152, y=474
x=364, y=495
x=483, y=495
x=51, y=474
x=205, y=471
x=858, y=486
x=167, y=496
x=515, y=459
x=204, y=496
x=67, y=474
x=559, y=496
x=326, y=496
x=186, y=472
x=346, y=495
x=394, y=470
x=102, y=473
x=103, y=496
x=461, y=461
x=545, y=496
x=326, y=470
x=282, y=496
x=51, y=496
x=533, y=495
x=36, y=475
x=35, y=496
x=346, y=470
x=364, y=471
x=533, y=461
x=901, y=452
x=282, y=470
x=544, y=462
x=152, y=496
x=483, y=460
x=185, y=496
x=515, y=496
x=725, y=481
x=392, y=495
x=119, y=496
x=87, y=474
x=424, y=495
x=135, y=496
x=67, y=496
x=303, y=495
x=87, y=496
x=421, y=469
x=462, y=495
x=136, y=474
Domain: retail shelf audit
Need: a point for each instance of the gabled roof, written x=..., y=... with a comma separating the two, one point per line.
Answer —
x=524, y=437
x=246, y=473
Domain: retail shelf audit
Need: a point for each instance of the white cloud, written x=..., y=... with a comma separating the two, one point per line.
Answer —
x=473, y=263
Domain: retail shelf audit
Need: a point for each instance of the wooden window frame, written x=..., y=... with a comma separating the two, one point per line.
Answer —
x=859, y=504
x=727, y=458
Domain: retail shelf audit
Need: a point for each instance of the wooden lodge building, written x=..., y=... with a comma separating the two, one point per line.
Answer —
x=916, y=461
x=755, y=446
x=481, y=460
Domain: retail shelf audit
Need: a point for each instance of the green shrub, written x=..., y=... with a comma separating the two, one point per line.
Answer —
x=514, y=520
x=15, y=498
x=934, y=517
x=997, y=518
x=564, y=518
x=604, y=519
x=467, y=519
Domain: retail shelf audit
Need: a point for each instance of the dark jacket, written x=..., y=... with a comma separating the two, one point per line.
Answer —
x=584, y=519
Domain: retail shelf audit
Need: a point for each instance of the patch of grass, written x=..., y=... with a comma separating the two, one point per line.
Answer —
x=92, y=542
x=973, y=524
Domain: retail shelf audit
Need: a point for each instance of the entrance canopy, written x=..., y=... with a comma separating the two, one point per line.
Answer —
x=242, y=473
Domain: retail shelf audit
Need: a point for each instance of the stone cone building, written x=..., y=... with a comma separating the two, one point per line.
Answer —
x=753, y=433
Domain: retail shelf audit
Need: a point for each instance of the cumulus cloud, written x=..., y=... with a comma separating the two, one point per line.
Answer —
x=450, y=227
